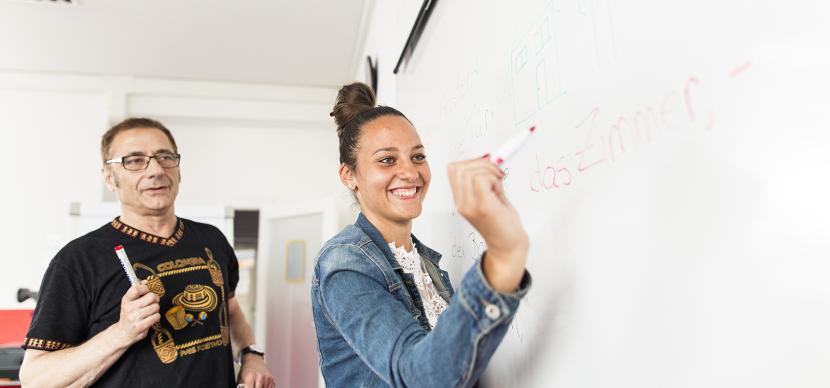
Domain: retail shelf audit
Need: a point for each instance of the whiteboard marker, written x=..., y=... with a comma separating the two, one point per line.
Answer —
x=125, y=262
x=513, y=145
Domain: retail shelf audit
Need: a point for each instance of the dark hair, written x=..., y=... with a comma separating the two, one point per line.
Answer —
x=132, y=123
x=354, y=107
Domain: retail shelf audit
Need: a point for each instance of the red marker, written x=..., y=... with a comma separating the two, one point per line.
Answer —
x=513, y=145
x=125, y=262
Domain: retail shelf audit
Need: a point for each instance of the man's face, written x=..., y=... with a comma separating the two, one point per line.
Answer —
x=151, y=191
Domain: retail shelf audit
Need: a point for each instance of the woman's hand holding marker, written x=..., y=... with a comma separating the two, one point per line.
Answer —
x=479, y=197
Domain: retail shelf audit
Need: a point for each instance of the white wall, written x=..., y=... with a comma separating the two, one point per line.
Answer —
x=50, y=159
x=389, y=24
x=246, y=166
x=243, y=145
x=383, y=43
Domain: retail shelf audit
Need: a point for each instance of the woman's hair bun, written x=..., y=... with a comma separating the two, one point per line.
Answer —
x=352, y=100
x=355, y=106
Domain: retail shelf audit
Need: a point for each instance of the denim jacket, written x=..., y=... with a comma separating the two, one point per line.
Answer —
x=371, y=331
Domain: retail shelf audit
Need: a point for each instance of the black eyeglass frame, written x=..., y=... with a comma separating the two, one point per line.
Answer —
x=176, y=157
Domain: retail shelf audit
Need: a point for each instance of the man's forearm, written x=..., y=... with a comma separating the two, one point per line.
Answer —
x=241, y=333
x=80, y=366
x=254, y=372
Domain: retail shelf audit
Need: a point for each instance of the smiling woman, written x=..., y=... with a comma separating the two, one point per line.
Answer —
x=385, y=313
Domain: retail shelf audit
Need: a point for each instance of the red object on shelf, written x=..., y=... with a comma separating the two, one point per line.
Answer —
x=13, y=326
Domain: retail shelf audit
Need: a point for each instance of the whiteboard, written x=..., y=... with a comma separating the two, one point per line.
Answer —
x=676, y=192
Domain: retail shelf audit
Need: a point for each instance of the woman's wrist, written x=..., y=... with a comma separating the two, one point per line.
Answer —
x=504, y=270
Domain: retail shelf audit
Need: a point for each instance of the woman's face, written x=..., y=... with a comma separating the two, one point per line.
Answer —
x=392, y=174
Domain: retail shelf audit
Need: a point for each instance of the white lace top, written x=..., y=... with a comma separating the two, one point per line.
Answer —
x=411, y=263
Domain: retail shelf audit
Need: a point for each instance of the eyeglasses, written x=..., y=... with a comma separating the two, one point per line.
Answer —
x=141, y=162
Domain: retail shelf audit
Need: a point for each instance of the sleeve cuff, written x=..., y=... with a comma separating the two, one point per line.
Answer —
x=488, y=306
x=44, y=344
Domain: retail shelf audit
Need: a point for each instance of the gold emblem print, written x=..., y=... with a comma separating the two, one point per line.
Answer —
x=176, y=317
x=224, y=329
x=153, y=281
x=163, y=344
x=213, y=268
x=195, y=301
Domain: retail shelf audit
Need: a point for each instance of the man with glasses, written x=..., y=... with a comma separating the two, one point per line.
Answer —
x=178, y=326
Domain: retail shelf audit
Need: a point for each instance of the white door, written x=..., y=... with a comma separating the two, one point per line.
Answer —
x=289, y=246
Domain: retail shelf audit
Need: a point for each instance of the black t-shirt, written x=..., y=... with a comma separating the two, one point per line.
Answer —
x=195, y=272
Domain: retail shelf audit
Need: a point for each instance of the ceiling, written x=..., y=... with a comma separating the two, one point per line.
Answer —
x=301, y=42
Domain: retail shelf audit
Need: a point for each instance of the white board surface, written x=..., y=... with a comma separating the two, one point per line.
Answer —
x=676, y=193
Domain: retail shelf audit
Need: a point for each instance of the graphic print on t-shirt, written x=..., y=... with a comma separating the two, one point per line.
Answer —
x=191, y=307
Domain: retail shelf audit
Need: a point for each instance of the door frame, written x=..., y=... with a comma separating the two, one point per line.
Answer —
x=324, y=206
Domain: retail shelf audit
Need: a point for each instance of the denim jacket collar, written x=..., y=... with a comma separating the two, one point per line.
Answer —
x=377, y=238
